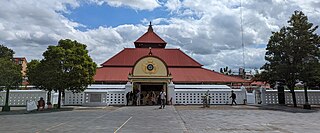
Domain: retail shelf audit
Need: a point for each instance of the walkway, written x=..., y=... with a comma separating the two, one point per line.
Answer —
x=105, y=120
x=172, y=119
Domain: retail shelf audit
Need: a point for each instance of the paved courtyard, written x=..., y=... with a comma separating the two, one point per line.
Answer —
x=172, y=119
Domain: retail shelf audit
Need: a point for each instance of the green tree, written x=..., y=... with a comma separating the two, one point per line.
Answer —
x=10, y=73
x=225, y=71
x=69, y=66
x=38, y=75
x=293, y=53
x=6, y=52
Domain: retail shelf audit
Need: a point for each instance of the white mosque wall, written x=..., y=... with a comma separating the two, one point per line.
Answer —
x=217, y=96
x=97, y=95
x=180, y=94
x=271, y=97
x=20, y=97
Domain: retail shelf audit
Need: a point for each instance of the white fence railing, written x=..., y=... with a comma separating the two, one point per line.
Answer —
x=217, y=96
x=96, y=97
x=116, y=96
x=271, y=97
x=19, y=97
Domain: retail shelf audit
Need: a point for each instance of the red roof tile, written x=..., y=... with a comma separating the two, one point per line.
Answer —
x=180, y=75
x=183, y=68
x=172, y=57
x=201, y=75
x=150, y=39
x=112, y=74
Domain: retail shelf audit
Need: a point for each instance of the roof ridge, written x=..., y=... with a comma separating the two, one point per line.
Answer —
x=127, y=57
x=112, y=57
x=190, y=57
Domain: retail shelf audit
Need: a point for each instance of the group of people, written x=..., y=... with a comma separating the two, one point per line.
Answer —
x=146, y=98
x=42, y=104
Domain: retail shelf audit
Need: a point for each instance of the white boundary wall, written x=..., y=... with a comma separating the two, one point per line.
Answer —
x=97, y=95
x=180, y=94
x=20, y=97
x=193, y=94
x=271, y=97
x=217, y=96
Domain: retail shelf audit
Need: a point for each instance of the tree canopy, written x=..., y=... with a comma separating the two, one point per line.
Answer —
x=38, y=75
x=293, y=53
x=226, y=71
x=6, y=52
x=65, y=66
x=10, y=73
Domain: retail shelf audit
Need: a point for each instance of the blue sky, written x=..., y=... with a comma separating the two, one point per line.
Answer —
x=207, y=30
x=93, y=16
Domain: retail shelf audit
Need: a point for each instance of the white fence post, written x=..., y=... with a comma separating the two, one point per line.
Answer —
x=245, y=96
x=128, y=88
x=171, y=93
x=263, y=95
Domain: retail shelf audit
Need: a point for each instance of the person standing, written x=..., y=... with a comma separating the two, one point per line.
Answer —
x=132, y=96
x=138, y=97
x=128, y=98
x=163, y=99
x=233, y=96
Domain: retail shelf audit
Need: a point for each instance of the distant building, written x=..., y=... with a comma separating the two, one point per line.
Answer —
x=261, y=84
x=22, y=61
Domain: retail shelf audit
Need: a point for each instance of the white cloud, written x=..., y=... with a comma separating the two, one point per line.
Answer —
x=211, y=33
x=173, y=5
x=30, y=26
x=135, y=4
x=208, y=31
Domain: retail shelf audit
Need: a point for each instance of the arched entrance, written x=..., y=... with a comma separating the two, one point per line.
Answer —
x=149, y=76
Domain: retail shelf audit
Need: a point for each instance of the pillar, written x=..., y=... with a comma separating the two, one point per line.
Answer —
x=171, y=93
x=128, y=88
x=263, y=95
x=245, y=97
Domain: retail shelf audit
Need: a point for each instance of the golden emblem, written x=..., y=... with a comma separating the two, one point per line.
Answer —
x=149, y=67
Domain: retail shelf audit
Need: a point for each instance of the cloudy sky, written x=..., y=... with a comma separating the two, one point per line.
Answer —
x=207, y=30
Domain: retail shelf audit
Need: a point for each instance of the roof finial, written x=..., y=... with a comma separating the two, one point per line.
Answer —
x=150, y=27
x=150, y=53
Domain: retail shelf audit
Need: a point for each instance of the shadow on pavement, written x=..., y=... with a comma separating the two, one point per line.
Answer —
x=288, y=108
x=23, y=111
x=283, y=108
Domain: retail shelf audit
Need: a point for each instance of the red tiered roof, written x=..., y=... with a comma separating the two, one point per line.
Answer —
x=112, y=74
x=179, y=75
x=150, y=39
x=201, y=75
x=172, y=57
x=183, y=68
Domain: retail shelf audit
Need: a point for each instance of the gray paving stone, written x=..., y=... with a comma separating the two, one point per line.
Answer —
x=172, y=119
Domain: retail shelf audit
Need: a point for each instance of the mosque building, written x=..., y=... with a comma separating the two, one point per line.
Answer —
x=150, y=66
